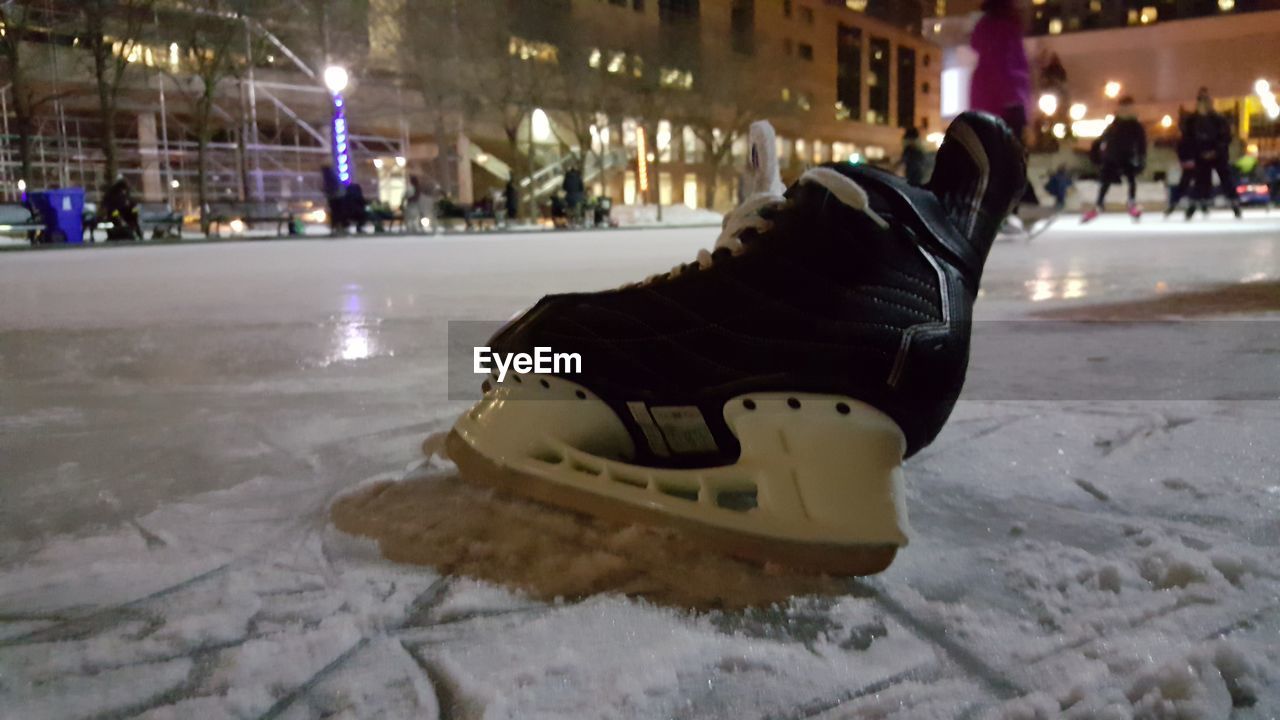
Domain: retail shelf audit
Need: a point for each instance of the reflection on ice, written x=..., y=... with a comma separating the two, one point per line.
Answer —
x=355, y=344
x=1046, y=287
x=353, y=337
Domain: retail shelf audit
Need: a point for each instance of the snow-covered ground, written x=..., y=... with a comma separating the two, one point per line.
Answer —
x=175, y=423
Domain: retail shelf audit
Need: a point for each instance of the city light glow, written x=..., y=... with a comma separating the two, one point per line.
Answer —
x=1089, y=128
x=1112, y=89
x=401, y=161
x=540, y=125
x=1268, y=98
x=642, y=160
x=1166, y=122
x=1048, y=103
x=1078, y=111
x=1059, y=130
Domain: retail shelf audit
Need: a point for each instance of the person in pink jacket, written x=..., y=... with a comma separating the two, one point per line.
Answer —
x=1002, y=81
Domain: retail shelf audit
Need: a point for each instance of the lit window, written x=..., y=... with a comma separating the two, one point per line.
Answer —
x=1226, y=5
x=1149, y=15
x=786, y=94
x=532, y=50
x=857, y=5
x=1095, y=6
x=616, y=61
x=675, y=78
x=803, y=101
x=1055, y=26
x=594, y=60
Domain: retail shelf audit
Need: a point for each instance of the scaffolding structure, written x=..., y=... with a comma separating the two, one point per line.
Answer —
x=271, y=138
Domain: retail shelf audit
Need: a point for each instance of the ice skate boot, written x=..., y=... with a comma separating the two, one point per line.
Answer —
x=1235, y=208
x=1135, y=211
x=1089, y=215
x=763, y=397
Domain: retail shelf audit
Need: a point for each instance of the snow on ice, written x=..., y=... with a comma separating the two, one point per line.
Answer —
x=185, y=432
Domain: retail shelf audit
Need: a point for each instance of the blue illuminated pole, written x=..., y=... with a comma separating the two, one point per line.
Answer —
x=335, y=78
x=341, y=146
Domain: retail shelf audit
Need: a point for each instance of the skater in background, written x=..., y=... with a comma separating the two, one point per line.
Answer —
x=1058, y=185
x=1121, y=153
x=1206, y=142
x=411, y=206
x=1271, y=173
x=1001, y=82
x=355, y=208
x=334, y=193
x=913, y=158
x=119, y=209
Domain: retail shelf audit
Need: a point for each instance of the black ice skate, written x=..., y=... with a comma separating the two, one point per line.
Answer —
x=764, y=397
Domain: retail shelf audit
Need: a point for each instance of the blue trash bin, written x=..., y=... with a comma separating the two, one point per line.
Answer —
x=62, y=212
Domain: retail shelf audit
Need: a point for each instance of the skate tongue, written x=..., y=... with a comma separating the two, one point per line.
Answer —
x=979, y=175
x=763, y=174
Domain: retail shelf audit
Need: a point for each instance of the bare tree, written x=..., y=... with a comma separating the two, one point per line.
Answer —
x=112, y=34
x=22, y=66
x=211, y=38
x=584, y=92
x=731, y=92
x=448, y=66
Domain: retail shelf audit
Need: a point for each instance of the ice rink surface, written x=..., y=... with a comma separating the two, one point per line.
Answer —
x=176, y=421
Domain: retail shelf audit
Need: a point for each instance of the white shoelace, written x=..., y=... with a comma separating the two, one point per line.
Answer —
x=764, y=183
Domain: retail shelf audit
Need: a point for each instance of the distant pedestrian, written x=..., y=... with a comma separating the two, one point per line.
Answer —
x=913, y=158
x=1121, y=153
x=1001, y=83
x=1206, y=142
x=575, y=192
x=1059, y=184
x=513, y=200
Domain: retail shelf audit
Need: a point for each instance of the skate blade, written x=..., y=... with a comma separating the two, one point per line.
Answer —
x=820, y=558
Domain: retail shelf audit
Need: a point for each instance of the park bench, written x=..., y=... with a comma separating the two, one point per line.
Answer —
x=250, y=213
x=158, y=220
x=16, y=219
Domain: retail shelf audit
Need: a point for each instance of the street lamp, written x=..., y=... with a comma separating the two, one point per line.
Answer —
x=1112, y=89
x=336, y=79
